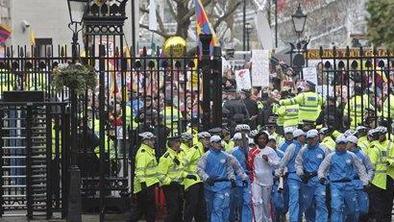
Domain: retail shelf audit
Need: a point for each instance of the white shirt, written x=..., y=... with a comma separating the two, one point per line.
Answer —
x=263, y=169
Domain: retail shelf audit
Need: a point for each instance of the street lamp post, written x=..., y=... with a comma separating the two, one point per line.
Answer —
x=298, y=61
x=248, y=29
x=76, y=10
x=244, y=26
x=299, y=19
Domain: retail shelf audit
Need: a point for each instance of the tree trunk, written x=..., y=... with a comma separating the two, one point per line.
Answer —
x=182, y=26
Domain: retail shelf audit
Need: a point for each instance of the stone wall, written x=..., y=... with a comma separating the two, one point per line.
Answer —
x=328, y=21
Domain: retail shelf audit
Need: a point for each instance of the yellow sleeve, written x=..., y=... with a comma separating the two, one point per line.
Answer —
x=373, y=154
x=140, y=166
x=292, y=101
x=162, y=170
x=390, y=157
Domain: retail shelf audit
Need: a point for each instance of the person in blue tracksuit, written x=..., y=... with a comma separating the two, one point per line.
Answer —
x=217, y=169
x=280, y=198
x=241, y=199
x=307, y=163
x=288, y=131
x=341, y=166
x=361, y=195
x=287, y=163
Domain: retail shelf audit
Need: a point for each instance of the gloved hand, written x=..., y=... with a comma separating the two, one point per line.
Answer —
x=233, y=184
x=211, y=181
x=367, y=187
x=176, y=161
x=304, y=178
x=323, y=181
x=245, y=183
x=192, y=177
x=143, y=186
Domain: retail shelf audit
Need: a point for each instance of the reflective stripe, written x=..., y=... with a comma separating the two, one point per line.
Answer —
x=306, y=109
x=381, y=171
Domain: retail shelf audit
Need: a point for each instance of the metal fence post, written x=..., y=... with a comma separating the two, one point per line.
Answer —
x=206, y=74
x=1, y=163
x=217, y=87
x=29, y=191
x=102, y=130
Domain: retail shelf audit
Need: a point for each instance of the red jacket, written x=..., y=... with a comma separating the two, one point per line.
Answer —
x=251, y=156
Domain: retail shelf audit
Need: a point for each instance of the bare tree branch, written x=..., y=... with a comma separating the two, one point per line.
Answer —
x=192, y=11
x=163, y=34
x=160, y=21
x=227, y=14
x=144, y=10
x=172, y=11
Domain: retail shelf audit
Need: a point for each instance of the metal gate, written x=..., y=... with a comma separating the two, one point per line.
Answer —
x=358, y=81
x=29, y=159
x=164, y=94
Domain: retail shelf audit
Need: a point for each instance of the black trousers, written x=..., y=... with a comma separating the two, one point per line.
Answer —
x=381, y=202
x=145, y=206
x=174, y=202
x=195, y=206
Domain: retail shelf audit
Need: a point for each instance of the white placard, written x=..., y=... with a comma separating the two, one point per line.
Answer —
x=242, y=77
x=260, y=68
x=310, y=74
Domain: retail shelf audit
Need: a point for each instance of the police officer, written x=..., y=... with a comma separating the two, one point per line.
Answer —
x=216, y=168
x=288, y=135
x=293, y=180
x=171, y=116
x=241, y=199
x=203, y=141
x=195, y=206
x=382, y=189
x=361, y=195
x=361, y=133
x=170, y=175
x=186, y=141
x=145, y=179
x=356, y=106
x=326, y=139
x=341, y=166
x=307, y=163
x=287, y=114
x=309, y=102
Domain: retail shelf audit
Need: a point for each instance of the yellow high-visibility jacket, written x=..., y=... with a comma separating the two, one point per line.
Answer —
x=356, y=108
x=310, y=104
x=145, y=167
x=190, y=161
x=170, y=168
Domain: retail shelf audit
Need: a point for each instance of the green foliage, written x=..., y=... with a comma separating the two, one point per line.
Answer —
x=381, y=23
x=76, y=76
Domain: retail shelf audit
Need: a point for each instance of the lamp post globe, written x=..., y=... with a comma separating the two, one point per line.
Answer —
x=299, y=19
x=76, y=9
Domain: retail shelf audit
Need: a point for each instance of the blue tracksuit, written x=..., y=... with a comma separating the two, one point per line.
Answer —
x=280, y=200
x=283, y=146
x=341, y=167
x=293, y=181
x=314, y=194
x=216, y=163
x=241, y=200
x=361, y=195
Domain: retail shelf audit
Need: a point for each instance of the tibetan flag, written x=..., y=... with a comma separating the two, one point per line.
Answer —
x=5, y=32
x=202, y=23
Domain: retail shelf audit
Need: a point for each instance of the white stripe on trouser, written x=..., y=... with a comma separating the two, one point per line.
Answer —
x=261, y=198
